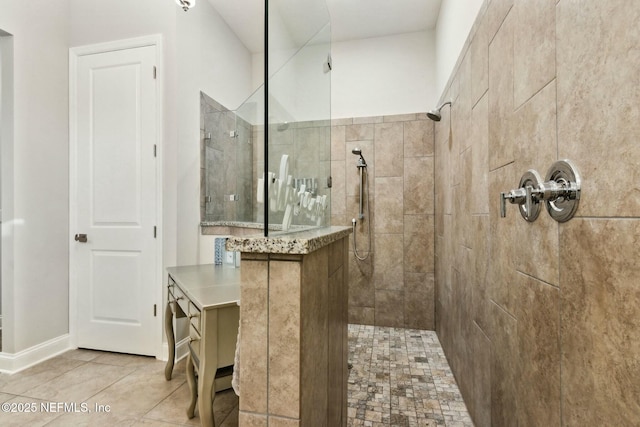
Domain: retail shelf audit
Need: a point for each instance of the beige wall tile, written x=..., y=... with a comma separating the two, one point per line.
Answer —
x=359, y=132
x=253, y=339
x=362, y=315
x=479, y=51
x=419, y=301
x=539, y=351
x=418, y=138
x=480, y=402
x=365, y=120
x=314, y=348
x=418, y=244
x=342, y=122
x=600, y=318
x=504, y=240
x=479, y=185
x=462, y=201
x=535, y=131
x=481, y=258
x=339, y=188
x=337, y=327
x=336, y=255
x=461, y=109
x=497, y=10
x=338, y=138
x=283, y=422
x=534, y=47
x=361, y=284
x=504, y=366
x=399, y=118
x=501, y=149
x=418, y=185
x=386, y=312
x=389, y=149
x=389, y=205
x=388, y=263
x=598, y=114
x=539, y=257
x=246, y=419
x=284, y=340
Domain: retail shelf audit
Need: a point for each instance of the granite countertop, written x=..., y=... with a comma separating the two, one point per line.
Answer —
x=207, y=285
x=294, y=243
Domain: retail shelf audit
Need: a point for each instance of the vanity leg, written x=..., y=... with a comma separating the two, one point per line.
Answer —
x=191, y=381
x=171, y=341
x=208, y=367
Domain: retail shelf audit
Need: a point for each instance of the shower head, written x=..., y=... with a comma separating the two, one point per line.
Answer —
x=435, y=114
x=283, y=126
x=358, y=152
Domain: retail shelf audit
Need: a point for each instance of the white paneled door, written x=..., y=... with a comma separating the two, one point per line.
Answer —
x=114, y=253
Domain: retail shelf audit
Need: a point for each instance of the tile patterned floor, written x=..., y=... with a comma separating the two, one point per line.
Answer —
x=400, y=377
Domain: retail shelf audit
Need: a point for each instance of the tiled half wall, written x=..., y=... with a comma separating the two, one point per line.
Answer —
x=395, y=285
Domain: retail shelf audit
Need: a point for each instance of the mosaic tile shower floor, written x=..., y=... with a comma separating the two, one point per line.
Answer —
x=401, y=377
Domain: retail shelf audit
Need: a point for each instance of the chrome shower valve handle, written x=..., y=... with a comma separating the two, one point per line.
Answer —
x=526, y=197
x=561, y=190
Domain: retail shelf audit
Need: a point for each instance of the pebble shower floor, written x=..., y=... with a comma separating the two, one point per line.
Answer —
x=400, y=377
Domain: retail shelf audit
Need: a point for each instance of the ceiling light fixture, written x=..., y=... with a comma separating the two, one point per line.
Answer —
x=186, y=4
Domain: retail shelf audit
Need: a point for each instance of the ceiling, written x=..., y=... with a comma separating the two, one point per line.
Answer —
x=350, y=19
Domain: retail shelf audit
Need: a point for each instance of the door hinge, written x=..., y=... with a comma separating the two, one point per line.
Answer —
x=155, y=150
x=155, y=310
x=155, y=231
x=155, y=72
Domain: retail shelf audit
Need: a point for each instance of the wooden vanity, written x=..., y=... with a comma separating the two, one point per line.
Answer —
x=208, y=296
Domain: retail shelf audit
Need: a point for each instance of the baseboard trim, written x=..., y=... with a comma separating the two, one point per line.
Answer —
x=11, y=363
x=181, y=350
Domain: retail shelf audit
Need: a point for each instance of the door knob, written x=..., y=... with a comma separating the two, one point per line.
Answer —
x=82, y=238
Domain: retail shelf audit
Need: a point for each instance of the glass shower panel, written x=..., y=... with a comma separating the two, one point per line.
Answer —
x=299, y=115
x=227, y=151
x=250, y=116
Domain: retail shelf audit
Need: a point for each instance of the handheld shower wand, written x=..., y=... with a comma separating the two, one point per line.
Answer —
x=364, y=178
x=362, y=164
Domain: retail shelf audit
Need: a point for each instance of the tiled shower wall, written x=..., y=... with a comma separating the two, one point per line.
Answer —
x=541, y=321
x=395, y=285
x=308, y=147
x=225, y=164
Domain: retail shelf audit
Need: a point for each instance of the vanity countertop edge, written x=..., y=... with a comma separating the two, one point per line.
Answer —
x=296, y=243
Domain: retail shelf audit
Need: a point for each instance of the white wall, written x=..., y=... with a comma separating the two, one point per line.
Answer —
x=211, y=59
x=454, y=23
x=35, y=193
x=383, y=75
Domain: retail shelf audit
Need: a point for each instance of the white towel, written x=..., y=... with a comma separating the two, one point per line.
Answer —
x=235, y=380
